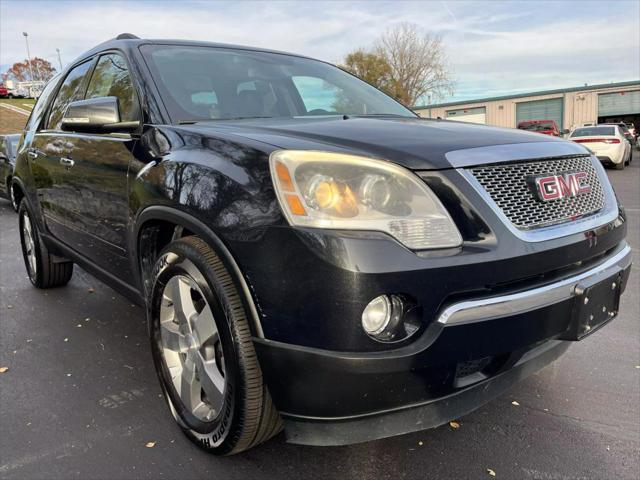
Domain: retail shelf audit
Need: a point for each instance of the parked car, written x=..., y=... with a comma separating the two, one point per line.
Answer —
x=4, y=91
x=625, y=131
x=607, y=142
x=546, y=127
x=18, y=92
x=311, y=254
x=8, y=149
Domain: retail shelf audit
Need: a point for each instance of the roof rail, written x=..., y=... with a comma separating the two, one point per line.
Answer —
x=127, y=36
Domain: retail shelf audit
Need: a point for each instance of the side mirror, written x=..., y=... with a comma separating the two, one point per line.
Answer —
x=95, y=115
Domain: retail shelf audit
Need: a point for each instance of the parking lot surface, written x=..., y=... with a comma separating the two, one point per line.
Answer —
x=80, y=398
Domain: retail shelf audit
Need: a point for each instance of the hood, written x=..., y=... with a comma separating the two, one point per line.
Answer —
x=418, y=144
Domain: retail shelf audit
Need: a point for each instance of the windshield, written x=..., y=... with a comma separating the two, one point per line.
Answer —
x=536, y=127
x=210, y=83
x=593, y=131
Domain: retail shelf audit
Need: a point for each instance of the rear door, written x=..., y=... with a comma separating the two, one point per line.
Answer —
x=49, y=148
x=99, y=175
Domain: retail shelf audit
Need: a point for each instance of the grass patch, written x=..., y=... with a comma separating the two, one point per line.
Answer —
x=26, y=103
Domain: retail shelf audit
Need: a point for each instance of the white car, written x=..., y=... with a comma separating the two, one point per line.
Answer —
x=607, y=142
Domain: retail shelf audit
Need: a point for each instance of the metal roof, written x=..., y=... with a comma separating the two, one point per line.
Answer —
x=530, y=94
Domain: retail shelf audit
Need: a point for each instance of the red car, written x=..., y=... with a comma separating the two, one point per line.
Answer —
x=547, y=127
x=4, y=92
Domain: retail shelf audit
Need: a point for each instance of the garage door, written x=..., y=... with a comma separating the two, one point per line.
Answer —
x=471, y=115
x=619, y=103
x=540, y=110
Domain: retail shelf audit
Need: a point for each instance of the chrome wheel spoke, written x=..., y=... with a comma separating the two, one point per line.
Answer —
x=190, y=388
x=211, y=380
x=182, y=302
x=172, y=337
x=205, y=326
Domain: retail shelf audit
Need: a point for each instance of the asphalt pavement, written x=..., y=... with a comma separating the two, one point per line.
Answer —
x=80, y=398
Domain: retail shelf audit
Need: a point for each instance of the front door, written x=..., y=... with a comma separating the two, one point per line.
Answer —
x=97, y=168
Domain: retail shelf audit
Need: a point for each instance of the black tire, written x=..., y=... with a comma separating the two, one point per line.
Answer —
x=44, y=271
x=620, y=166
x=247, y=415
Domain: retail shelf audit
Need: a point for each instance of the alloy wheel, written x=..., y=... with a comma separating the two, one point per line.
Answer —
x=29, y=245
x=191, y=348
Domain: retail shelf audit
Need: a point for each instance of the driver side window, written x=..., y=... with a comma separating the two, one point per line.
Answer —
x=111, y=78
x=70, y=91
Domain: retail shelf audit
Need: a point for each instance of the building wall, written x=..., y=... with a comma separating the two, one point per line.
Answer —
x=579, y=107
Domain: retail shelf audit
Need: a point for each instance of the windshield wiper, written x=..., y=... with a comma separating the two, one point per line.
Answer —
x=191, y=122
x=380, y=115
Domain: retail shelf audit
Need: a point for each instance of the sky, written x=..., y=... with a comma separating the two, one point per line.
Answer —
x=494, y=47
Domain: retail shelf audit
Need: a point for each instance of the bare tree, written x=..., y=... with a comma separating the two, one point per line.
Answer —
x=418, y=64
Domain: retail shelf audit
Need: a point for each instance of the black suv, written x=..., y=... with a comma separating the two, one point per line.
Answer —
x=311, y=254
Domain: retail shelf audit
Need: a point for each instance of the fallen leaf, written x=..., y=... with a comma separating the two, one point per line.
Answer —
x=66, y=339
x=68, y=374
x=9, y=307
x=515, y=403
x=87, y=319
x=491, y=472
x=91, y=290
x=79, y=325
x=4, y=369
x=150, y=444
x=454, y=425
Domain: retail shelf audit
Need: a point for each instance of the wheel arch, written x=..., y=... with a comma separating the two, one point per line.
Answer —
x=180, y=223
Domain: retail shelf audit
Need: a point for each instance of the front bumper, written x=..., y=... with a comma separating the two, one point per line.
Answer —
x=476, y=350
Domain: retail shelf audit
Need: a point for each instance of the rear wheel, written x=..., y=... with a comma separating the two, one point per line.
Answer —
x=44, y=270
x=620, y=166
x=204, y=354
x=12, y=196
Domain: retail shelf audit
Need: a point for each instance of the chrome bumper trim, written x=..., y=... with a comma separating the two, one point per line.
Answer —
x=495, y=307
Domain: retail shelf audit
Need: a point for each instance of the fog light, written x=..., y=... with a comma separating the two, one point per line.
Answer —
x=382, y=318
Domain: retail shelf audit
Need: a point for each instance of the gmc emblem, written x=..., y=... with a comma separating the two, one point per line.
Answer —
x=562, y=185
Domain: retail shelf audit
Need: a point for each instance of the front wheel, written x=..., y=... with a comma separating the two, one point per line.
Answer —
x=204, y=354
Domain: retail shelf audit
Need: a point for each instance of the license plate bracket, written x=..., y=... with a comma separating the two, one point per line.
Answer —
x=596, y=303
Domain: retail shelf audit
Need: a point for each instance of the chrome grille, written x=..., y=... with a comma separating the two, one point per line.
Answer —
x=507, y=186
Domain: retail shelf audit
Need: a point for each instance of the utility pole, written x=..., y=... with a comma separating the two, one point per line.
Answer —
x=26, y=39
x=59, y=60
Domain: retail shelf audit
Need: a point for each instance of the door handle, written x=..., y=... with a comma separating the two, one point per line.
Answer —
x=67, y=162
x=33, y=153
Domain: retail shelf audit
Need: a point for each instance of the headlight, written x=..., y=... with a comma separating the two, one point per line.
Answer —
x=347, y=192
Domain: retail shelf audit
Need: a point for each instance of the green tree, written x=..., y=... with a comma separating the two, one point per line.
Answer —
x=370, y=67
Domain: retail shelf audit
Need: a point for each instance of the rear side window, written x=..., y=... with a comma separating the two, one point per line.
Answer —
x=111, y=78
x=70, y=91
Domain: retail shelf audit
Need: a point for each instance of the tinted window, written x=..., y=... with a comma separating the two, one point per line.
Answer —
x=204, y=83
x=111, y=79
x=593, y=131
x=70, y=91
x=41, y=104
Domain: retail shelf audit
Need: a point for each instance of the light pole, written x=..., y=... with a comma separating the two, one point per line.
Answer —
x=59, y=60
x=26, y=39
